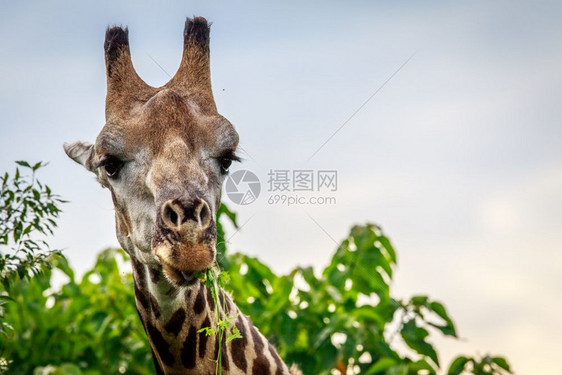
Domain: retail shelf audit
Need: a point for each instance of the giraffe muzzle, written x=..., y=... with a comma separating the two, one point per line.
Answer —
x=185, y=238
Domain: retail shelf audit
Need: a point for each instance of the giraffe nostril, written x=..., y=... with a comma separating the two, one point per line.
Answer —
x=175, y=214
x=203, y=214
x=172, y=215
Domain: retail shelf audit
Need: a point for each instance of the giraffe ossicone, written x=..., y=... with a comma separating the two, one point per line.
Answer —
x=163, y=154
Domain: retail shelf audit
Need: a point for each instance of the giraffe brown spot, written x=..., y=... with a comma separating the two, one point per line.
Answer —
x=154, y=306
x=140, y=317
x=277, y=360
x=199, y=303
x=157, y=367
x=238, y=346
x=154, y=275
x=138, y=271
x=258, y=344
x=224, y=361
x=175, y=323
x=160, y=346
x=139, y=282
x=142, y=321
x=141, y=296
x=261, y=364
x=203, y=337
x=210, y=299
x=188, y=349
x=172, y=292
x=224, y=300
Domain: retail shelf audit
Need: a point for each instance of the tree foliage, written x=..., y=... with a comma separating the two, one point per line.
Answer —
x=28, y=212
x=27, y=208
x=89, y=325
x=343, y=319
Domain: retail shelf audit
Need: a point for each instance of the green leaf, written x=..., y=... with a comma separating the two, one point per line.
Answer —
x=440, y=310
x=279, y=301
x=414, y=337
x=380, y=366
x=388, y=247
x=369, y=281
x=447, y=330
x=63, y=265
x=234, y=334
x=502, y=362
x=419, y=301
x=224, y=210
x=23, y=163
x=457, y=366
x=419, y=365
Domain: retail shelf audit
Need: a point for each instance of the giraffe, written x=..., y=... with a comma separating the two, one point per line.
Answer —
x=164, y=154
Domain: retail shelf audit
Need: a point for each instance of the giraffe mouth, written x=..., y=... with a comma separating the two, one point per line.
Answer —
x=180, y=277
x=183, y=254
x=188, y=277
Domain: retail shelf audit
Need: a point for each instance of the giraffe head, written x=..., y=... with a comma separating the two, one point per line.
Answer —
x=163, y=153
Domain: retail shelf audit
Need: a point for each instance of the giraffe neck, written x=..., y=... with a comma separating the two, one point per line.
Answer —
x=172, y=317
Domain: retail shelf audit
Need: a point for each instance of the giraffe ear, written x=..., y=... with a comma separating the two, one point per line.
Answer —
x=81, y=152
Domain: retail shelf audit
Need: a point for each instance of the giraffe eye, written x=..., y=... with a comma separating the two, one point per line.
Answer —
x=112, y=166
x=225, y=163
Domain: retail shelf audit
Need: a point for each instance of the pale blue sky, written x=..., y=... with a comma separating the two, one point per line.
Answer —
x=458, y=157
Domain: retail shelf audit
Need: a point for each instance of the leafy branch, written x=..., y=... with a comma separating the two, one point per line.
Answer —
x=486, y=365
x=215, y=279
x=27, y=208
